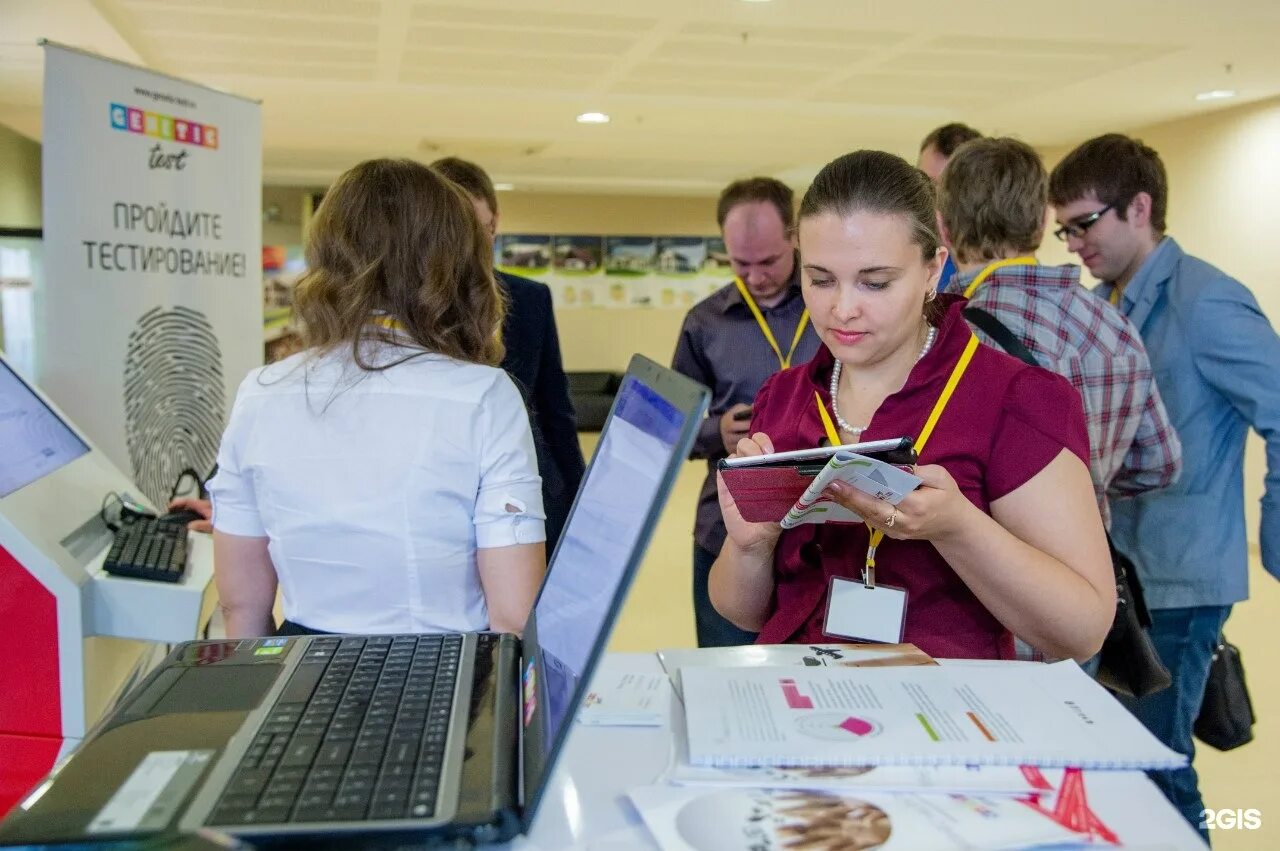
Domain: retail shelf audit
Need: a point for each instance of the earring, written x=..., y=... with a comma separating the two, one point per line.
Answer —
x=930, y=296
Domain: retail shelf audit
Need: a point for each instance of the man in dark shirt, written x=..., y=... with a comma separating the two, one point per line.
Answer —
x=724, y=345
x=533, y=360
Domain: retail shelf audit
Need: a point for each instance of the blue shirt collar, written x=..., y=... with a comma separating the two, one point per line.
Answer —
x=1155, y=270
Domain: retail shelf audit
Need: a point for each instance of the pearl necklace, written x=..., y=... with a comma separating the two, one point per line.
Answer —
x=835, y=383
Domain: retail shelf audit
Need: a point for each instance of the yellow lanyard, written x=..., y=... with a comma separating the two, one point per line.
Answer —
x=991, y=267
x=387, y=322
x=783, y=362
x=877, y=535
x=1114, y=298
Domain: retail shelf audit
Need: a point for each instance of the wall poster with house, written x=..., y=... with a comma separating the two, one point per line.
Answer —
x=618, y=272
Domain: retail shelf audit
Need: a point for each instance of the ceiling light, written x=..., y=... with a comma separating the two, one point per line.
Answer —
x=504, y=187
x=593, y=118
x=1216, y=94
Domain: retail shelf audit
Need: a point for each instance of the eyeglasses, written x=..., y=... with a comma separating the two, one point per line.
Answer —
x=1077, y=229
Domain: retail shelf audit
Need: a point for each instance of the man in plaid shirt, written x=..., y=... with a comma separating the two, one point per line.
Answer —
x=992, y=204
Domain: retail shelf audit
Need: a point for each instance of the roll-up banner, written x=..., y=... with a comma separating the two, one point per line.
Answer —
x=150, y=311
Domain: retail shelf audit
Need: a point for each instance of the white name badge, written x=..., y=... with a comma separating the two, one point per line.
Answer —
x=866, y=614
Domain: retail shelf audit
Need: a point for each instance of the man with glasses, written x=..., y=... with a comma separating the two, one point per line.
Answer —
x=1214, y=356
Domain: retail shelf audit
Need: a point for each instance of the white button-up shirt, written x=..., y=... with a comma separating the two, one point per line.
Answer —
x=376, y=488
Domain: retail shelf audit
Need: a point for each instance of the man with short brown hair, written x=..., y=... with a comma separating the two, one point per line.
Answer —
x=938, y=147
x=1214, y=354
x=992, y=202
x=731, y=342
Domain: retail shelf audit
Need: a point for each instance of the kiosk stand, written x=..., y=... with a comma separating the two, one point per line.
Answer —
x=61, y=617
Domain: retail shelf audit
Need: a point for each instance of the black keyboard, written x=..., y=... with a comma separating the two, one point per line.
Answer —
x=149, y=548
x=358, y=734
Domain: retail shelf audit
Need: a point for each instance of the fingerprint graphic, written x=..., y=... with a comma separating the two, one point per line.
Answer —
x=173, y=398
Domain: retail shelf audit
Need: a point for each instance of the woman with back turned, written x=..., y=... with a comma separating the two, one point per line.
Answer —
x=384, y=478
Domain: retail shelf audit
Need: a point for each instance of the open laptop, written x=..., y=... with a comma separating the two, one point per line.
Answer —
x=395, y=739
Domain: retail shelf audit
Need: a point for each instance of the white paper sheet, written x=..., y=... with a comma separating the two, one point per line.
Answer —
x=869, y=475
x=626, y=700
x=1042, y=715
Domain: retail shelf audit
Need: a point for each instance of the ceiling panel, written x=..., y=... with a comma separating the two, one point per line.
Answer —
x=292, y=8
x=1050, y=47
x=188, y=49
x=757, y=55
x=717, y=90
x=840, y=35
x=692, y=100
x=267, y=70
x=465, y=60
x=550, y=44
x=680, y=73
x=486, y=79
x=277, y=28
x=951, y=61
x=529, y=19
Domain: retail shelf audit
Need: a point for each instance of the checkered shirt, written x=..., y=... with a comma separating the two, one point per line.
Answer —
x=1071, y=331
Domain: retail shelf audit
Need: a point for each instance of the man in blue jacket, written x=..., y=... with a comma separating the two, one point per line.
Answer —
x=1215, y=358
x=533, y=360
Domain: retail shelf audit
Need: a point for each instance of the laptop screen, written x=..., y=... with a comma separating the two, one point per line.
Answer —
x=36, y=442
x=646, y=438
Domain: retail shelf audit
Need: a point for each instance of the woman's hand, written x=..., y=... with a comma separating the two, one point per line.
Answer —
x=931, y=512
x=746, y=535
x=203, y=507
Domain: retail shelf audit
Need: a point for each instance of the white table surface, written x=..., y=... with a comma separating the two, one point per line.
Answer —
x=586, y=805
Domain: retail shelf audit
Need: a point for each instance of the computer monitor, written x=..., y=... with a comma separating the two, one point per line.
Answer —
x=36, y=441
x=53, y=480
x=53, y=485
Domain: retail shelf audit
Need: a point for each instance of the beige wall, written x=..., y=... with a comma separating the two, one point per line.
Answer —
x=590, y=339
x=611, y=215
x=1224, y=203
x=19, y=180
x=601, y=338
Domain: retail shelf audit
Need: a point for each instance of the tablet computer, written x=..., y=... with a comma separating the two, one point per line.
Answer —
x=894, y=450
x=766, y=487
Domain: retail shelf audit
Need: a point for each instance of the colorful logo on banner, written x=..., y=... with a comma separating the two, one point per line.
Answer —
x=133, y=120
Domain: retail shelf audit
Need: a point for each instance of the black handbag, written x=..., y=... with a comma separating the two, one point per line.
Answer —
x=1129, y=663
x=1226, y=716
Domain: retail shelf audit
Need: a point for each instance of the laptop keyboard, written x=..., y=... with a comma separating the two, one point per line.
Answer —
x=357, y=734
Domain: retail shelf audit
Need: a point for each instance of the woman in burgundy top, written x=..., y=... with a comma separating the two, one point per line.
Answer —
x=1004, y=535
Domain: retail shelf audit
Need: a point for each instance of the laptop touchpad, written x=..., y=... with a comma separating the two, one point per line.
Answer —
x=237, y=688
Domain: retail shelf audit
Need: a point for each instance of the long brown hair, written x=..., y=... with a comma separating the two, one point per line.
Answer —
x=393, y=238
